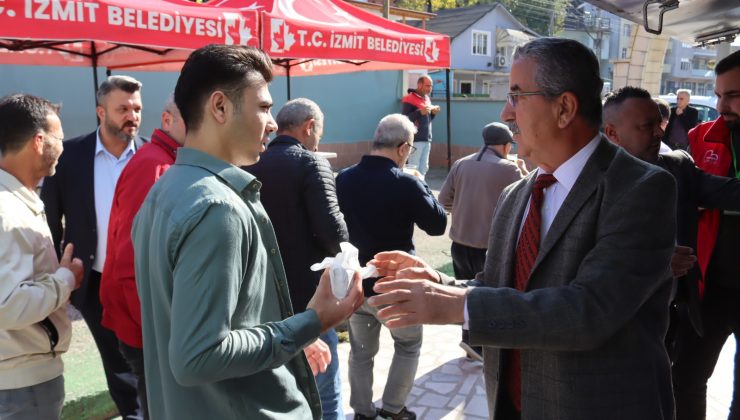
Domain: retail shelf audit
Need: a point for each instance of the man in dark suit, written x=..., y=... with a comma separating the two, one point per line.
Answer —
x=632, y=120
x=683, y=118
x=299, y=194
x=78, y=201
x=572, y=312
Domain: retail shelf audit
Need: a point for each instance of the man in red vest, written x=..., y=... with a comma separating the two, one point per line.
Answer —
x=715, y=146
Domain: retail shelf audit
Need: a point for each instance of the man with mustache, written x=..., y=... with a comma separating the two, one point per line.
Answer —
x=715, y=146
x=572, y=305
x=34, y=284
x=81, y=194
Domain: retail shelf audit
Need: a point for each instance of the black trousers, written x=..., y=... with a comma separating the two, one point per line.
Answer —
x=135, y=358
x=467, y=261
x=698, y=356
x=121, y=380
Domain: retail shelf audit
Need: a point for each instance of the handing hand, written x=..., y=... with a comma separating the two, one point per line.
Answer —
x=682, y=260
x=74, y=265
x=425, y=110
x=435, y=109
x=414, y=302
x=318, y=355
x=390, y=262
x=330, y=310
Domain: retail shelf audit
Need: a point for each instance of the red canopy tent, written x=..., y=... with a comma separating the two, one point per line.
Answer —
x=303, y=37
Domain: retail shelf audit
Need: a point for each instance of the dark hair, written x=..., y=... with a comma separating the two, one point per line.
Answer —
x=615, y=99
x=618, y=97
x=125, y=83
x=564, y=65
x=22, y=117
x=224, y=68
x=728, y=63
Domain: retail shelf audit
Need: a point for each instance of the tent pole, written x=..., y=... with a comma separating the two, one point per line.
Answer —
x=287, y=78
x=94, y=57
x=449, y=126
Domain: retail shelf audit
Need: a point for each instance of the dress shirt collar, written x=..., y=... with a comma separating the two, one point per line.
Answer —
x=236, y=178
x=99, y=148
x=28, y=197
x=567, y=173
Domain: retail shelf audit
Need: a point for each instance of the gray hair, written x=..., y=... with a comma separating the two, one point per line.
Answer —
x=170, y=105
x=564, y=65
x=686, y=91
x=125, y=83
x=393, y=130
x=297, y=111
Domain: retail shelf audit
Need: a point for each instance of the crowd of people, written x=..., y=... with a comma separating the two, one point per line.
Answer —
x=599, y=282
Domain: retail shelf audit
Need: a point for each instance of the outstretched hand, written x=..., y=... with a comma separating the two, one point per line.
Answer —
x=408, y=302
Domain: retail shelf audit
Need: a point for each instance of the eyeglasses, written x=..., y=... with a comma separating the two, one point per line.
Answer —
x=413, y=148
x=512, y=96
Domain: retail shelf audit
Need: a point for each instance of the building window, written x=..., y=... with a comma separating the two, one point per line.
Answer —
x=627, y=30
x=486, y=88
x=685, y=64
x=624, y=53
x=466, y=88
x=481, y=43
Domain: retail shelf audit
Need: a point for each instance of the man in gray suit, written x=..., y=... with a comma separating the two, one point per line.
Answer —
x=572, y=311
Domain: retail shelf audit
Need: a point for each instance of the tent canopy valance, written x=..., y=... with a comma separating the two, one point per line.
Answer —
x=307, y=36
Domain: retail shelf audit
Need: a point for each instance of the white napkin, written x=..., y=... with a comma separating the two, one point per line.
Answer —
x=343, y=268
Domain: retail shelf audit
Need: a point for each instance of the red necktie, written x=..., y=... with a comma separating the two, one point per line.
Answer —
x=526, y=254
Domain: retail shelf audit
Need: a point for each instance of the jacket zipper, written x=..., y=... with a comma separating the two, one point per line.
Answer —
x=51, y=331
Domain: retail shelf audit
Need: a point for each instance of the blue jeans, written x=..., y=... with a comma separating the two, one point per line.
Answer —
x=420, y=157
x=330, y=382
x=37, y=402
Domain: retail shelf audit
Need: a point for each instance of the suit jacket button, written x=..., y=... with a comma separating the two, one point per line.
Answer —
x=92, y=256
x=273, y=251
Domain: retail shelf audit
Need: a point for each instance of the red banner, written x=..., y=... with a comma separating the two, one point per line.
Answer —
x=160, y=24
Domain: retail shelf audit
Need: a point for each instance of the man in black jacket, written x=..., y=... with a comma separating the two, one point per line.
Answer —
x=632, y=120
x=81, y=195
x=382, y=204
x=299, y=194
x=683, y=118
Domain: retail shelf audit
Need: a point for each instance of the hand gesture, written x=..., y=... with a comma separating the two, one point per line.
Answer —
x=74, y=265
x=389, y=263
x=682, y=260
x=435, y=109
x=318, y=355
x=413, y=302
x=330, y=310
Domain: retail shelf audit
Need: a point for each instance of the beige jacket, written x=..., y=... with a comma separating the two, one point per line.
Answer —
x=471, y=192
x=32, y=287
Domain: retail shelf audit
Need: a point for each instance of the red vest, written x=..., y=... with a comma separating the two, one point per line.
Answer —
x=710, y=148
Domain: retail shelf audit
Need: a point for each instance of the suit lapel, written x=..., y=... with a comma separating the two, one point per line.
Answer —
x=87, y=163
x=585, y=186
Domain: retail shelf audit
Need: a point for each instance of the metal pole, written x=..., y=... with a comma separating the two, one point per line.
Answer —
x=386, y=8
x=287, y=74
x=449, y=124
x=94, y=57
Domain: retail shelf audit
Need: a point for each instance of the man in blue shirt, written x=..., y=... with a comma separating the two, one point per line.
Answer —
x=221, y=340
